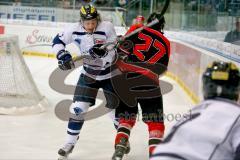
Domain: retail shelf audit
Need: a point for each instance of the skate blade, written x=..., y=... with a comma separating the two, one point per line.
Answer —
x=119, y=158
x=62, y=158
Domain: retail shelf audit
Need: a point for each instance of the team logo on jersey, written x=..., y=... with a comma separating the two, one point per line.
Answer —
x=99, y=41
x=77, y=110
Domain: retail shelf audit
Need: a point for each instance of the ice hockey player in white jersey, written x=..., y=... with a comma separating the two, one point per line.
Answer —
x=212, y=130
x=88, y=35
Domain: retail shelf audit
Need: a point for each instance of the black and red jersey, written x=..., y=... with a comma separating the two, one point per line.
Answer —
x=150, y=47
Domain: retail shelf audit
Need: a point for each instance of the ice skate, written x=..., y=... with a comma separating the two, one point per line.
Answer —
x=65, y=151
x=121, y=149
x=128, y=148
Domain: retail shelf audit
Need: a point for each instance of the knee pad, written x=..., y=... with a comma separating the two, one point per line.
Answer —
x=79, y=107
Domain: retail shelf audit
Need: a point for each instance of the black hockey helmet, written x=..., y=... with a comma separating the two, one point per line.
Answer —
x=88, y=12
x=221, y=79
x=160, y=25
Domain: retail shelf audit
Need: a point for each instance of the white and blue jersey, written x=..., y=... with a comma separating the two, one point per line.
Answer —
x=211, y=132
x=98, y=69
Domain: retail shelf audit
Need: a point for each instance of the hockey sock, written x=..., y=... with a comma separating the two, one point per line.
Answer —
x=73, y=130
x=156, y=132
x=124, y=129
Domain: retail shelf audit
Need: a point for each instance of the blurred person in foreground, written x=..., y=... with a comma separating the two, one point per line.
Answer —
x=212, y=129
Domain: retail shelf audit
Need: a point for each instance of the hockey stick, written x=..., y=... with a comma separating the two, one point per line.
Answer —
x=159, y=16
x=125, y=67
x=122, y=20
x=83, y=55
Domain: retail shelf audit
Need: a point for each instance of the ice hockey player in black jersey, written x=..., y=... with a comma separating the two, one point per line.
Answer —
x=151, y=50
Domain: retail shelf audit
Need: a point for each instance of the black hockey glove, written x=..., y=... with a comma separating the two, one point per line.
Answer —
x=65, y=61
x=97, y=52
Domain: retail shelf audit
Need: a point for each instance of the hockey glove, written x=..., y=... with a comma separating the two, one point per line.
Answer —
x=65, y=61
x=97, y=52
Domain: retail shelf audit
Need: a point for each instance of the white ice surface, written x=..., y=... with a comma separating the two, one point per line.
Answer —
x=39, y=136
